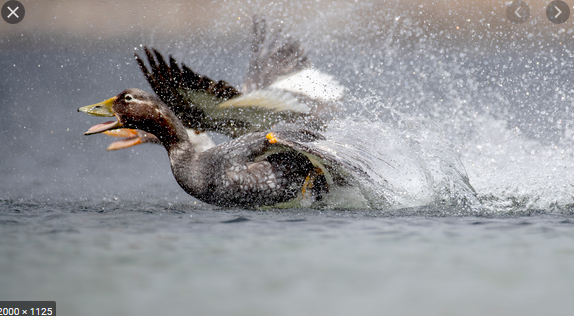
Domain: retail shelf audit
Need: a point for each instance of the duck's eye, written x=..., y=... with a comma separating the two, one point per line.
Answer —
x=128, y=97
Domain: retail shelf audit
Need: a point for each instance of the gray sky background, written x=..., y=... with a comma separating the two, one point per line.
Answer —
x=107, y=19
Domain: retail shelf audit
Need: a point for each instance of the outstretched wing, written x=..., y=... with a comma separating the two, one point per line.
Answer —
x=188, y=94
x=273, y=56
x=280, y=86
x=206, y=105
x=279, y=62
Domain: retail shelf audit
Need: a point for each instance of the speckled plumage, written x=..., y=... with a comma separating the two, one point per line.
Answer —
x=230, y=175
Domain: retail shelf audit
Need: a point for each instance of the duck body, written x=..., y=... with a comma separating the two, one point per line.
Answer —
x=256, y=169
x=232, y=175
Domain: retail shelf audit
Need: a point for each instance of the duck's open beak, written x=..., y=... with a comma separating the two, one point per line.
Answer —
x=131, y=138
x=102, y=127
x=101, y=109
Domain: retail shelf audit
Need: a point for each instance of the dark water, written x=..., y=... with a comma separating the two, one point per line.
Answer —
x=158, y=258
x=111, y=233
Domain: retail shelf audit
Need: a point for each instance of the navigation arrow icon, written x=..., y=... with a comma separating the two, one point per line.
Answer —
x=558, y=12
x=517, y=12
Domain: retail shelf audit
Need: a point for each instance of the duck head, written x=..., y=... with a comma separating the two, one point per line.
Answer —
x=136, y=109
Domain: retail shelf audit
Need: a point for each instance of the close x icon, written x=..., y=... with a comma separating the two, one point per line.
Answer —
x=13, y=12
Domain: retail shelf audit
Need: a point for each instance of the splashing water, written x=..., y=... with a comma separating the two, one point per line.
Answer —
x=411, y=163
x=407, y=161
x=512, y=172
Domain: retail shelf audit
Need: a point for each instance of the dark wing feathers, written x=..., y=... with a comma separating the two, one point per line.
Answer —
x=167, y=79
x=196, y=99
x=182, y=90
x=272, y=56
x=207, y=105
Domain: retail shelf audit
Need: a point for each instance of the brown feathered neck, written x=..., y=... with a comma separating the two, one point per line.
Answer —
x=140, y=110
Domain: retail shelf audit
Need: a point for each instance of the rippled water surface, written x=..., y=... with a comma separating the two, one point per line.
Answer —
x=430, y=101
x=147, y=258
